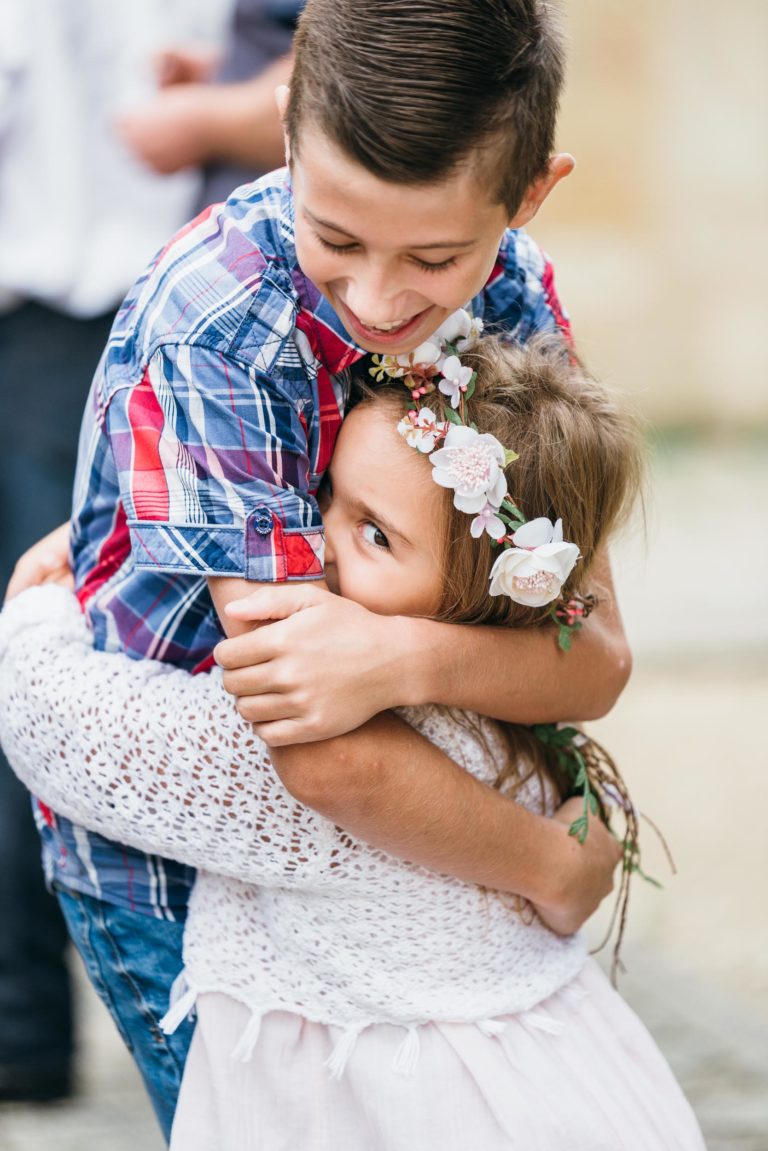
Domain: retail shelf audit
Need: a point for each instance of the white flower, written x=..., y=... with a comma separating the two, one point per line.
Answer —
x=472, y=464
x=425, y=355
x=487, y=521
x=534, y=571
x=536, y=532
x=457, y=326
x=421, y=430
x=455, y=379
x=474, y=333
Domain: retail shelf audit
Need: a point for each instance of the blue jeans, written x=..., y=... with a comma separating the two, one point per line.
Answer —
x=132, y=960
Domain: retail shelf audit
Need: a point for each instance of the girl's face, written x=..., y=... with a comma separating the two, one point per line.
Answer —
x=383, y=518
x=393, y=260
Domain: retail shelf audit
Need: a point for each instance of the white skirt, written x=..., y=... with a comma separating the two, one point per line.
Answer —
x=579, y=1073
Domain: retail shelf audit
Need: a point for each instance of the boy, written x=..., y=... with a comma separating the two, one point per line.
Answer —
x=211, y=422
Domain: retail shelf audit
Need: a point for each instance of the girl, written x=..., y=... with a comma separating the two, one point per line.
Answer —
x=346, y=998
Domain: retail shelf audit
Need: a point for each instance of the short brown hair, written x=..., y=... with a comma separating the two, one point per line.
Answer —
x=413, y=89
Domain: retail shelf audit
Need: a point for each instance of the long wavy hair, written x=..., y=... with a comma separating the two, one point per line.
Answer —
x=580, y=460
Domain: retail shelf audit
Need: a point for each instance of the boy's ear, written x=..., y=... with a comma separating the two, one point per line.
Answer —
x=281, y=99
x=560, y=166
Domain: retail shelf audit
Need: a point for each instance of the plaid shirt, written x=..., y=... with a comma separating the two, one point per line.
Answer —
x=211, y=421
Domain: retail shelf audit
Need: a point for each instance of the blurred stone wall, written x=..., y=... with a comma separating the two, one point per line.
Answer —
x=659, y=237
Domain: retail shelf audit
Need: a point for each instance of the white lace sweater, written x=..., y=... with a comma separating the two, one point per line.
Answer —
x=288, y=911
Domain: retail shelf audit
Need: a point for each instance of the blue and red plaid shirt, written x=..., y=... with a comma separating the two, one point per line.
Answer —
x=211, y=420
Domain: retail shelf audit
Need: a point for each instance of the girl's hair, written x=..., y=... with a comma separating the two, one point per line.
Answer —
x=579, y=461
x=413, y=89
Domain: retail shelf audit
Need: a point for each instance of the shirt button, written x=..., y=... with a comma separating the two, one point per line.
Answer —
x=262, y=521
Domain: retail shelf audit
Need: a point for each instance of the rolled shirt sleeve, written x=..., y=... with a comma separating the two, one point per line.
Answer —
x=214, y=468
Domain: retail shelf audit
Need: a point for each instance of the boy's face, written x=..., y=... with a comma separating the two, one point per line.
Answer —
x=393, y=260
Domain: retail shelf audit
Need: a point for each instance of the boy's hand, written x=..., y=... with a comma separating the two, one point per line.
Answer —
x=588, y=875
x=47, y=561
x=322, y=668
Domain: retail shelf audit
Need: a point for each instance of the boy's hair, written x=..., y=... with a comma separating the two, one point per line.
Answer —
x=413, y=89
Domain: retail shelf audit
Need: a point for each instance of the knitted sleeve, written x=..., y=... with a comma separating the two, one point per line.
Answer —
x=147, y=754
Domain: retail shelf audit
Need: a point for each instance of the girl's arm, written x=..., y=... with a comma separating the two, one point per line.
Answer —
x=386, y=784
x=383, y=782
x=147, y=754
x=160, y=760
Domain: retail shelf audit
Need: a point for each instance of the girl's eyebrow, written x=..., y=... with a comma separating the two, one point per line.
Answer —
x=381, y=521
x=366, y=513
x=417, y=247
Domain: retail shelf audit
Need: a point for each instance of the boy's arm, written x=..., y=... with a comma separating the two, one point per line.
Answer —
x=47, y=561
x=388, y=785
x=326, y=665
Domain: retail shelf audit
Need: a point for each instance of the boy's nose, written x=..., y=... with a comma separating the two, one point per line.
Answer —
x=375, y=299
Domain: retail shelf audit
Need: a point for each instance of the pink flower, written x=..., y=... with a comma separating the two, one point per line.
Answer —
x=473, y=465
x=456, y=379
x=487, y=521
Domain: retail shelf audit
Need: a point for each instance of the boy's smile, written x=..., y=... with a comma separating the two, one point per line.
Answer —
x=393, y=260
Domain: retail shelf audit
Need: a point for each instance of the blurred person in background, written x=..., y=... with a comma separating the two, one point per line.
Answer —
x=79, y=216
x=216, y=112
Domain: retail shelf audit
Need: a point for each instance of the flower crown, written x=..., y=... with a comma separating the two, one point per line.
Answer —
x=534, y=563
x=535, y=560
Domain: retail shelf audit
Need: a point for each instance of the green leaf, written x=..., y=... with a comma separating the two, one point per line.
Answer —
x=453, y=417
x=593, y=804
x=636, y=868
x=579, y=828
x=509, y=455
x=569, y=734
x=470, y=387
x=564, y=638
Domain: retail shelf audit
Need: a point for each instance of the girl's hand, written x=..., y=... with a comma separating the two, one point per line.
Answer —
x=47, y=561
x=584, y=872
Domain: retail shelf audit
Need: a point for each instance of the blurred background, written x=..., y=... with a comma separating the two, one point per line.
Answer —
x=659, y=243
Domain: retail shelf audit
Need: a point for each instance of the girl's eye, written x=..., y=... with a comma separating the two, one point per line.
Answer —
x=427, y=267
x=373, y=535
x=338, y=248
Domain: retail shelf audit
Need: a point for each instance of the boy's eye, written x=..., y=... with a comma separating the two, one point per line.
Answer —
x=373, y=535
x=339, y=248
x=427, y=267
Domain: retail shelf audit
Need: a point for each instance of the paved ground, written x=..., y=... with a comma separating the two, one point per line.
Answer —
x=688, y=735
